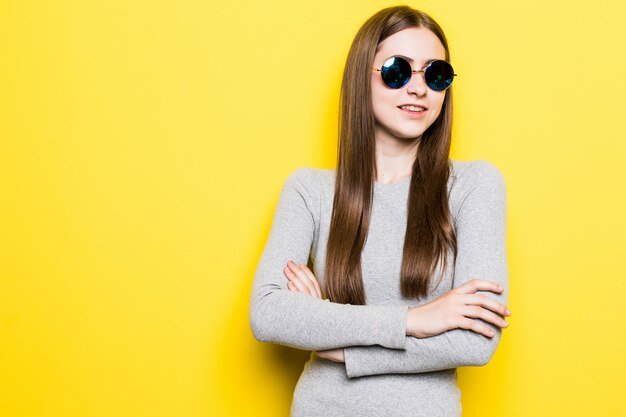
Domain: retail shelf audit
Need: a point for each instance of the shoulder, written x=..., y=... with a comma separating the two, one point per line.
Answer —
x=479, y=173
x=479, y=180
x=476, y=171
x=306, y=188
x=309, y=186
x=309, y=180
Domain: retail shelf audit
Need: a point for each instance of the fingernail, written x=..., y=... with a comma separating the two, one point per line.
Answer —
x=508, y=311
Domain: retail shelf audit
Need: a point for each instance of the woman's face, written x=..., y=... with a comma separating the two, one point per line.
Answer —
x=392, y=122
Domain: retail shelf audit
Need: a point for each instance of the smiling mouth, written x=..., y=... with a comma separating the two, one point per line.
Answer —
x=413, y=114
x=413, y=109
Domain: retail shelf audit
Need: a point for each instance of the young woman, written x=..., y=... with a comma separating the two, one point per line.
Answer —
x=408, y=278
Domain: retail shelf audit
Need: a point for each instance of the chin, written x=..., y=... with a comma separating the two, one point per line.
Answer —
x=402, y=131
x=411, y=130
x=409, y=134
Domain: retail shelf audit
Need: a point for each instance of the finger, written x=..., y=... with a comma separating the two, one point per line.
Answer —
x=330, y=354
x=310, y=275
x=487, y=302
x=474, y=325
x=478, y=284
x=304, y=279
x=482, y=313
x=305, y=274
x=296, y=280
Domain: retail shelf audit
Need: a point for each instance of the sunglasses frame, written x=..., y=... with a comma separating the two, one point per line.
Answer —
x=414, y=71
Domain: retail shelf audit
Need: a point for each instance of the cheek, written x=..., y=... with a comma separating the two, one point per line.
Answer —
x=382, y=97
x=441, y=100
x=382, y=103
x=437, y=106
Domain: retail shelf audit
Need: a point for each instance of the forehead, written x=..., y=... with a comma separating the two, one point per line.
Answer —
x=419, y=44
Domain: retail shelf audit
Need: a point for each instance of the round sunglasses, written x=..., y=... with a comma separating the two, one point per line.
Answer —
x=397, y=71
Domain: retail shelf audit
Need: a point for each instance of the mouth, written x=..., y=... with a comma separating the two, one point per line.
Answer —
x=413, y=111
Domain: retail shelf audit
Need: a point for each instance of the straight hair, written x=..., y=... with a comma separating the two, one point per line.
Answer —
x=429, y=233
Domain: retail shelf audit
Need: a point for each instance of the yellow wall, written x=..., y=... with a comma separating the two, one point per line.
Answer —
x=143, y=146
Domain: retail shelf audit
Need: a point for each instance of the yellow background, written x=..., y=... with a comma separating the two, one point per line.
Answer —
x=143, y=147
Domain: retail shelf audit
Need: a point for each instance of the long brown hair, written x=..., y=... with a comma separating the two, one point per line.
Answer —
x=429, y=232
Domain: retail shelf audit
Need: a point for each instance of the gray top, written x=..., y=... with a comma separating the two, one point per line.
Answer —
x=386, y=372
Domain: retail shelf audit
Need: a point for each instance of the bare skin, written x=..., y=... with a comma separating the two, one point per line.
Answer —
x=455, y=309
x=397, y=135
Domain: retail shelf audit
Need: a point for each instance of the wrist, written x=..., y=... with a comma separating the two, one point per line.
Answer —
x=410, y=317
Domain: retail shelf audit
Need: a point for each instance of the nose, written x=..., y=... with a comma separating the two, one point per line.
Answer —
x=417, y=84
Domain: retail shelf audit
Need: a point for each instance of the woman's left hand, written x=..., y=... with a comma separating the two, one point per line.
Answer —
x=301, y=279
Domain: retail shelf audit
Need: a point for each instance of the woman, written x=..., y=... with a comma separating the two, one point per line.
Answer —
x=386, y=337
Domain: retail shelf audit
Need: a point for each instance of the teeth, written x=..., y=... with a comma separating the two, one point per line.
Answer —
x=413, y=108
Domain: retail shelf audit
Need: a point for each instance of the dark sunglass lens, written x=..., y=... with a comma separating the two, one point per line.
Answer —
x=396, y=72
x=439, y=75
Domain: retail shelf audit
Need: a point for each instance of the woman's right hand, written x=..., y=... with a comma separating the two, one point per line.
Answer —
x=456, y=309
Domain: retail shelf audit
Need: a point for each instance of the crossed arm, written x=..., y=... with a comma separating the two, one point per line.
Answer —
x=374, y=337
x=296, y=319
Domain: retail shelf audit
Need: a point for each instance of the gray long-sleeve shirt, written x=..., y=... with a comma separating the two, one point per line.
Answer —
x=386, y=372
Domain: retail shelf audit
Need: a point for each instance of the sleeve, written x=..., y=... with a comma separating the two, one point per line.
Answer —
x=296, y=319
x=481, y=230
